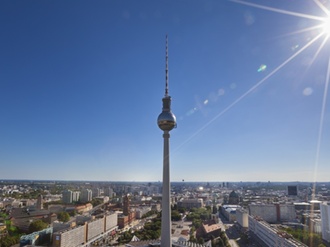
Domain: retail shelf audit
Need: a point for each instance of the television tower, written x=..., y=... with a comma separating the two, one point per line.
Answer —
x=166, y=122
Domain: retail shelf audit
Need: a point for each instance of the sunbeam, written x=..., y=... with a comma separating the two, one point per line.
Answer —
x=249, y=91
x=282, y=11
x=316, y=54
x=322, y=7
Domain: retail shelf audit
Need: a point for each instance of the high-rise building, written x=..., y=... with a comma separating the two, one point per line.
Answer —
x=166, y=122
x=75, y=196
x=67, y=196
x=108, y=191
x=86, y=195
x=292, y=190
x=325, y=217
x=96, y=192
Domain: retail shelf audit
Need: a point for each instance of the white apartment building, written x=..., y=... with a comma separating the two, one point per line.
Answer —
x=84, y=234
x=325, y=217
x=242, y=217
x=86, y=195
x=270, y=236
x=75, y=196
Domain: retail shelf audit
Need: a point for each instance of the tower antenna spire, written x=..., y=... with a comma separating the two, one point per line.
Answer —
x=166, y=68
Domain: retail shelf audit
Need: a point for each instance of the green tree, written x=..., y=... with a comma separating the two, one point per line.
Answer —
x=200, y=241
x=73, y=213
x=175, y=215
x=197, y=223
x=63, y=216
x=308, y=238
x=182, y=210
x=96, y=201
x=8, y=241
x=37, y=225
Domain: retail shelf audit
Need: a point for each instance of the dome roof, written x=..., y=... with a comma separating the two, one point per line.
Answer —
x=233, y=194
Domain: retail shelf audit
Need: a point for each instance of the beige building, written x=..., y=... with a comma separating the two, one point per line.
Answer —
x=273, y=213
x=242, y=217
x=191, y=203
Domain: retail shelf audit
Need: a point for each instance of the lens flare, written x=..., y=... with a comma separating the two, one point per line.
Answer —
x=262, y=68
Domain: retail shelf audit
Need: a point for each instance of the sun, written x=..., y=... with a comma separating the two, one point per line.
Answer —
x=326, y=26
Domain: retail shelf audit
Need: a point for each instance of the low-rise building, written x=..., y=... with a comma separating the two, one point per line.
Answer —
x=23, y=217
x=140, y=211
x=191, y=203
x=229, y=211
x=208, y=230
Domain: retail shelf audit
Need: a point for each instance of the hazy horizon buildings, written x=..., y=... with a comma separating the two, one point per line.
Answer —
x=108, y=191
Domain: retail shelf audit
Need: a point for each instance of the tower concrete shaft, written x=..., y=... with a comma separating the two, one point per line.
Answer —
x=166, y=122
x=166, y=195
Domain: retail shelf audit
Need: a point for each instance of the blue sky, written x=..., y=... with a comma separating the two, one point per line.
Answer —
x=81, y=84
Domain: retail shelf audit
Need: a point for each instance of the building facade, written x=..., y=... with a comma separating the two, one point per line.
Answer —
x=270, y=236
x=273, y=213
x=67, y=196
x=242, y=217
x=86, y=195
x=190, y=203
x=325, y=217
x=88, y=230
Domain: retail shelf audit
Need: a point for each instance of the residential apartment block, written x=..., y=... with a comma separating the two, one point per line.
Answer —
x=270, y=236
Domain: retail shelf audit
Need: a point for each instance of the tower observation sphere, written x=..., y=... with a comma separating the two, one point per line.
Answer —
x=166, y=120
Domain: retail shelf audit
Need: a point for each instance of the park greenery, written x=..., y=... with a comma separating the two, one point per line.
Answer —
x=13, y=234
x=150, y=231
x=198, y=215
x=37, y=225
x=96, y=201
x=7, y=241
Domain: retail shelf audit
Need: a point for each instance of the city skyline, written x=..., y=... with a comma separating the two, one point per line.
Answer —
x=81, y=84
